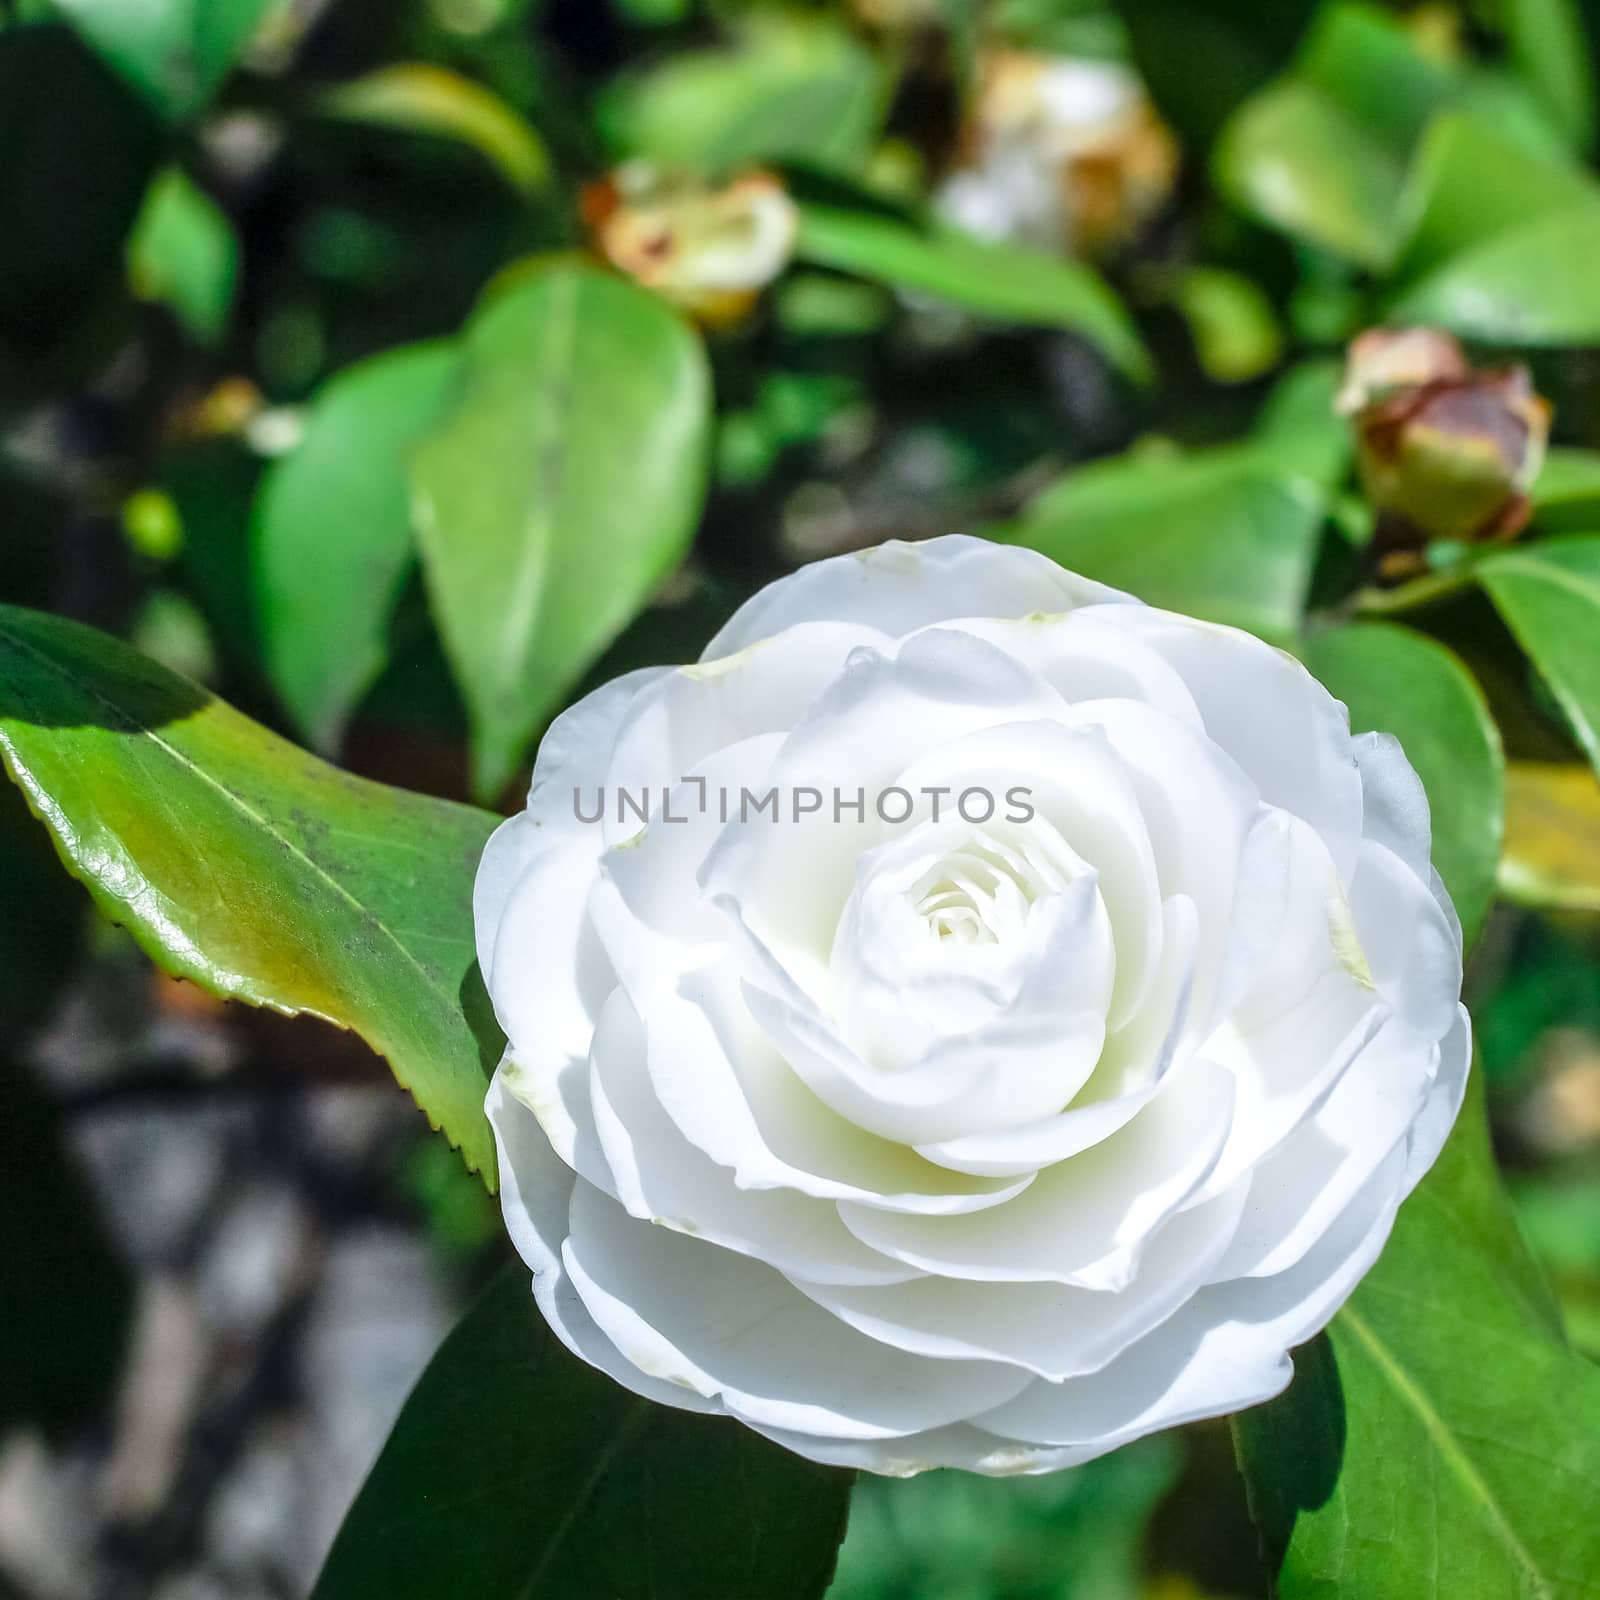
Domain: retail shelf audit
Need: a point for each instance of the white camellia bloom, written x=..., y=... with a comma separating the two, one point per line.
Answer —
x=1013, y=1030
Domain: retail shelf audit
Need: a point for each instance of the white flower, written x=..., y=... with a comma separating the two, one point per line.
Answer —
x=990, y=1144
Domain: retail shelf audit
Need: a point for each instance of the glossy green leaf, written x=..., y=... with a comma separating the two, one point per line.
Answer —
x=1566, y=494
x=1321, y=153
x=1373, y=67
x=1228, y=535
x=332, y=533
x=1469, y=183
x=1443, y=1439
x=1243, y=48
x=1532, y=284
x=174, y=52
x=1399, y=682
x=1231, y=320
x=1549, y=595
x=517, y=1471
x=1550, y=51
x=1294, y=158
x=1552, y=854
x=1299, y=427
x=252, y=868
x=784, y=87
x=1000, y=281
x=184, y=253
x=418, y=97
x=563, y=485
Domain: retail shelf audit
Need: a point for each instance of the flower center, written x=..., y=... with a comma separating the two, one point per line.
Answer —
x=982, y=893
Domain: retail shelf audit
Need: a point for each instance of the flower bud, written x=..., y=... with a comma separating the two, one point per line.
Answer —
x=707, y=249
x=1447, y=452
x=1061, y=153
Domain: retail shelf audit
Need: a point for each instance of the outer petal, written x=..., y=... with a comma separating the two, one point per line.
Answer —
x=746, y=1334
x=898, y=588
x=1282, y=727
x=1227, y=1348
x=536, y=1190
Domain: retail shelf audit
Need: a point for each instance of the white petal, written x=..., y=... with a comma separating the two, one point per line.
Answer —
x=1412, y=946
x=731, y=1095
x=960, y=1445
x=1224, y=1350
x=1300, y=1190
x=1053, y=1331
x=1133, y=1065
x=1083, y=1221
x=690, y=1313
x=536, y=1190
x=575, y=753
x=899, y=587
x=1394, y=803
x=655, y=870
x=1022, y=1063
x=1291, y=737
x=549, y=979
x=1313, y=1010
x=660, y=1177
x=1198, y=811
x=675, y=724
x=1089, y=655
x=1445, y=1093
x=792, y=878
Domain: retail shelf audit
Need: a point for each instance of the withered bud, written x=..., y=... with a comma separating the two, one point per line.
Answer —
x=1059, y=152
x=1447, y=452
x=709, y=249
x=899, y=13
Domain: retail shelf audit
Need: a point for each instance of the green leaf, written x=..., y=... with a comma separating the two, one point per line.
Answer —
x=251, y=867
x=1299, y=428
x=1552, y=854
x=1320, y=153
x=332, y=533
x=418, y=97
x=1549, y=595
x=1550, y=51
x=1371, y=65
x=1531, y=284
x=785, y=87
x=174, y=52
x=1231, y=320
x=184, y=253
x=1566, y=494
x=1443, y=1439
x=1295, y=159
x=561, y=488
x=1228, y=534
x=1470, y=183
x=1243, y=47
x=1399, y=682
x=1004, y=282
x=516, y=1470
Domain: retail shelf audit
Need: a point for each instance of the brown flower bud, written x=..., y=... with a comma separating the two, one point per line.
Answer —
x=1059, y=152
x=710, y=250
x=1446, y=452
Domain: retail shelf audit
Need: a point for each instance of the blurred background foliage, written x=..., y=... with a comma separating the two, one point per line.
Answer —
x=400, y=368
